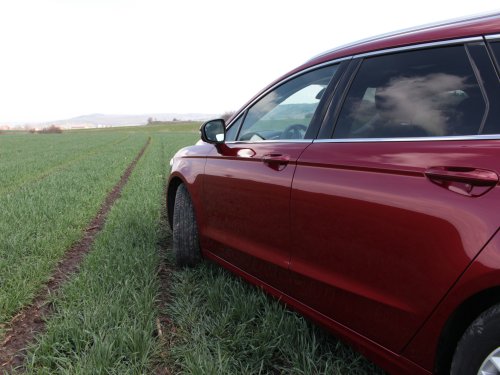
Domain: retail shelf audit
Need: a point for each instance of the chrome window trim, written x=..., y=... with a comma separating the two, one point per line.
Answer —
x=492, y=37
x=285, y=80
x=412, y=139
x=420, y=46
x=272, y=141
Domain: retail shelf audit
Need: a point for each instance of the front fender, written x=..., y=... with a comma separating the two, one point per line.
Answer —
x=188, y=168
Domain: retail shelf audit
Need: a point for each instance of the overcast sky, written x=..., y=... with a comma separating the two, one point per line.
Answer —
x=63, y=58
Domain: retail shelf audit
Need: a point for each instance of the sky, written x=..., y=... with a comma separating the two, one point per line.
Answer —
x=65, y=58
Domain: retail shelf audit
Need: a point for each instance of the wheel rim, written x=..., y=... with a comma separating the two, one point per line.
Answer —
x=491, y=365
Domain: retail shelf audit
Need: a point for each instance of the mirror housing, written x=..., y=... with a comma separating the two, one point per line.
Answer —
x=213, y=131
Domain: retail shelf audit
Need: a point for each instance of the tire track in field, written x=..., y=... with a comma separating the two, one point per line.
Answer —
x=59, y=167
x=164, y=326
x=30, y=321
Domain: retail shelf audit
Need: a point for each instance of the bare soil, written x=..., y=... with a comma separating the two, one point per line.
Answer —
x=30, y=321
x=164, y=326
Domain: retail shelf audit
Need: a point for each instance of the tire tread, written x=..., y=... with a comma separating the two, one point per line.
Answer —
x=480, y=339
x=186, y=245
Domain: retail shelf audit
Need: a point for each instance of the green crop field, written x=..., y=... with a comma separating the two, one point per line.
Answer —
x=112, y=316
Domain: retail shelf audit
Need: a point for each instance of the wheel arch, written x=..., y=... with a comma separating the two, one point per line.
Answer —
x=458, y=322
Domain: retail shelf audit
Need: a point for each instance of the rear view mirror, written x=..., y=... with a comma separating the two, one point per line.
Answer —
x=213, y=131
x=320, y=93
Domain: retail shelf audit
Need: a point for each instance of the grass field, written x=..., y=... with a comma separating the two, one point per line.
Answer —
x=105, y=318
x=43, y=215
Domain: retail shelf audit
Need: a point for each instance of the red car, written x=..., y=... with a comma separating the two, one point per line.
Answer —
x=362, y=189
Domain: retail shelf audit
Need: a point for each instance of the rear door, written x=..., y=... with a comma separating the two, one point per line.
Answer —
x=247, y=182
x=391, y=208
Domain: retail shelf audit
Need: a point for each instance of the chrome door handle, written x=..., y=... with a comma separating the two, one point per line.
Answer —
x=468, y=181
x=277, y=162
x=472, y=176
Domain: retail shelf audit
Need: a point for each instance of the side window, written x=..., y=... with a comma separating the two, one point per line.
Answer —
x=495, y=47
x=286, y=112
x=424, y=93
x=233, y=129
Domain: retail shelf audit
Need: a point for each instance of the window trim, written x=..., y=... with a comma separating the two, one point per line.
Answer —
x=440, y=43
x=411, y=139
x=272, y=141
x=492, y=37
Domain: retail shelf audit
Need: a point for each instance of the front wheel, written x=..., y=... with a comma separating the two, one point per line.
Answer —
x=478, y=351
x=186, y=246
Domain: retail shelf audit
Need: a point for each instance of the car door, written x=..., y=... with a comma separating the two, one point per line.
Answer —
x=389, y=211
x=246, y=193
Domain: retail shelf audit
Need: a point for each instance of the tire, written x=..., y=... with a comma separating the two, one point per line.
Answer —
x=186, y=246
x=479, y=341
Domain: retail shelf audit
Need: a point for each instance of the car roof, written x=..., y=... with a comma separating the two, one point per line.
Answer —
x=452, y=29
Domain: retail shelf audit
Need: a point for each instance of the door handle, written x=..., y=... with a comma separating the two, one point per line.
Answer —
x=468, y=181
x=480, y=177
x=277, y=162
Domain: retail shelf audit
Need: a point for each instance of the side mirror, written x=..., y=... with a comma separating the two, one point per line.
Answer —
x=213, y=131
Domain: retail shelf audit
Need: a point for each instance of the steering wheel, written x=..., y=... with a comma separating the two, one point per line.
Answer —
x=295, y=131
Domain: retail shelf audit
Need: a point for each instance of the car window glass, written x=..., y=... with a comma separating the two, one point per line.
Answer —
x=423, y=93
x=286, y=112
x=485, y=65
x=232, y=131
x=495, y=47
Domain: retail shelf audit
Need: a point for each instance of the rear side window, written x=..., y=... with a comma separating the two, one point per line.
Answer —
x=495, y=46
x=422, y=93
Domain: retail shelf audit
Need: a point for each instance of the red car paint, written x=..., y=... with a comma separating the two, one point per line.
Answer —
x=381, y=242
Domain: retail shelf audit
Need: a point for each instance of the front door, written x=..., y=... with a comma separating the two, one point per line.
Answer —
x=246, y=191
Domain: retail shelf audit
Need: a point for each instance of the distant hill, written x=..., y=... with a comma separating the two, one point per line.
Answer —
x=123, y=120
x=105, y=120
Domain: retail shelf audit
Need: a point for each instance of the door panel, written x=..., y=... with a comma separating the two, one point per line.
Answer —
x=377, y=240
x=246, y=200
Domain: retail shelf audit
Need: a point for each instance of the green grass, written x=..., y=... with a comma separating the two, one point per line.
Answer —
x=190, y=126
x=105, y=316
x=25, y=159
x=41, y=219
x=225, y=326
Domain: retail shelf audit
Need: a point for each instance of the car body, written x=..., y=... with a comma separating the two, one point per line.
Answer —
x=361, y=189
